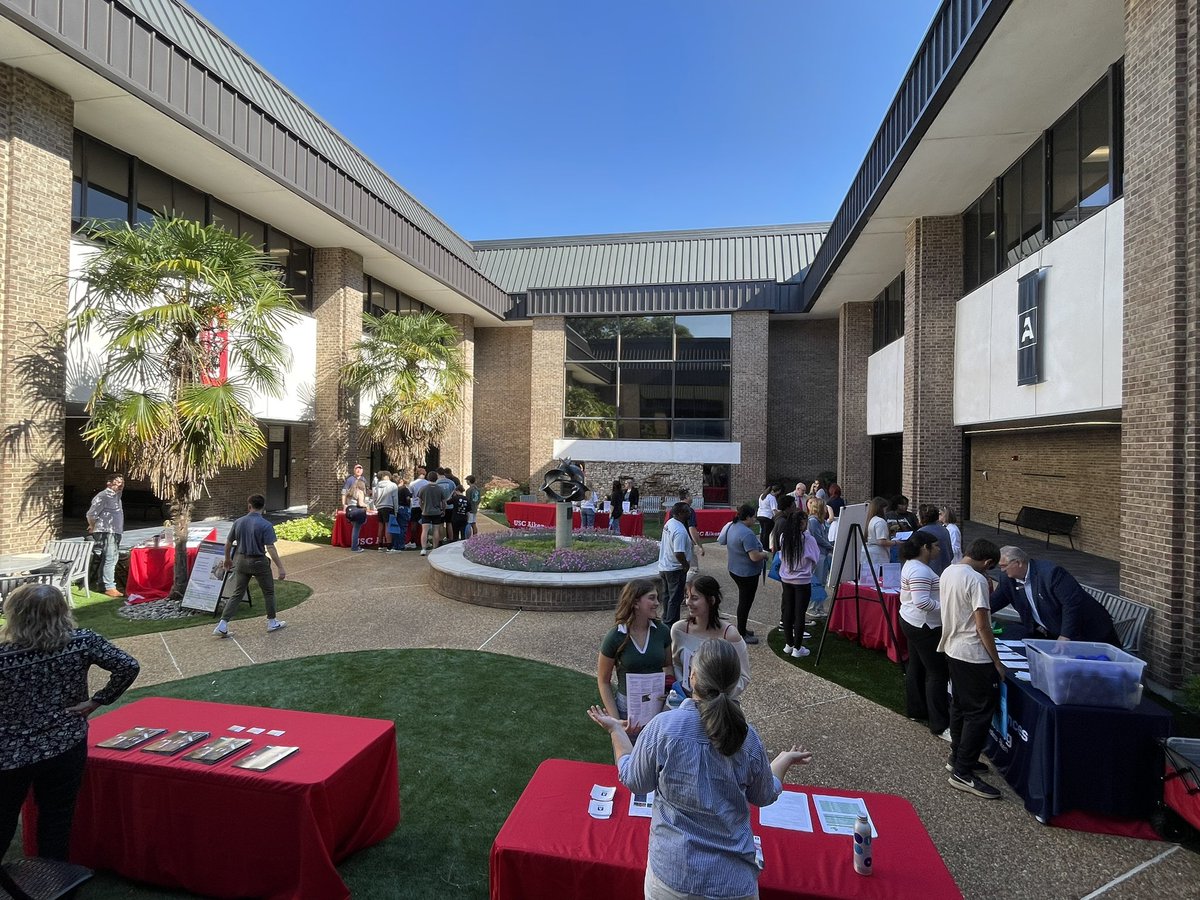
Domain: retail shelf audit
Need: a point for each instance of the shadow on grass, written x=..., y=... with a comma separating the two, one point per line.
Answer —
x=869, y=673
x=471, y=729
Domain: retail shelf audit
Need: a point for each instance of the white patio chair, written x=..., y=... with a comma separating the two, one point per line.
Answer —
x=77, y=555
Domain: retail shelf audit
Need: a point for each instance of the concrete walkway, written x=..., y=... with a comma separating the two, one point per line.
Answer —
x=374, y=600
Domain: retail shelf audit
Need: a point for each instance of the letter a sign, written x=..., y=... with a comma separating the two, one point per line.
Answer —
x=1029, y=329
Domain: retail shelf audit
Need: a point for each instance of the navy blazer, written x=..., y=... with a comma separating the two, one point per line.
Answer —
x=1065, y=607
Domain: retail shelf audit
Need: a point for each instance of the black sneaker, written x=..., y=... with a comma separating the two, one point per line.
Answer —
x=980, y=767
x=974, y=785
x=749, y=638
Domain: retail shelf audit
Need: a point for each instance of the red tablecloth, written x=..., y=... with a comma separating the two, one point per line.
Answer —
x=844, y=620
x=343, y=530
x=709, y=522
x=227, y=832
x=527, y=515
x=551, y=848
x=152, y=572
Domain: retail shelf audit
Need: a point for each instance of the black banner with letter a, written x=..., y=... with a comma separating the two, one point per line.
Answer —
x=1029, y=328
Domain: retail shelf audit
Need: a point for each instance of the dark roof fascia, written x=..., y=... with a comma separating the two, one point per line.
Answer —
x=881, y=167
x=660, y=299
x=646, y=237
x=223, y=115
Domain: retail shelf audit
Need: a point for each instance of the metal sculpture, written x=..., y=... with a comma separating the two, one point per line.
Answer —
x=568, y=478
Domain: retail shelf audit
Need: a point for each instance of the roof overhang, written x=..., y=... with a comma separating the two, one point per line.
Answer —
x=1038, y=60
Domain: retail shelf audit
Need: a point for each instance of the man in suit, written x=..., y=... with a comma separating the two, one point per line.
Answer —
x=1050, y=602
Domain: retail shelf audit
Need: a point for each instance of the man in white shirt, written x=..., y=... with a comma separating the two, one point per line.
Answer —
x=975, y=668
x=674, y=560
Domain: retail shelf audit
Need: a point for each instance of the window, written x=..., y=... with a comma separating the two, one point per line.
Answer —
x=107, y=177
x=888, y=314
x=380, y=298
x=1072, y=172
x=648, y=378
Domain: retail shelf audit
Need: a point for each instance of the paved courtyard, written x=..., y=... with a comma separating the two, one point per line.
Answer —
x=992, y=849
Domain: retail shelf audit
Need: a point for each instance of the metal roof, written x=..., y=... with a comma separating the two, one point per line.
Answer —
x=195, y=36
x=778, y=253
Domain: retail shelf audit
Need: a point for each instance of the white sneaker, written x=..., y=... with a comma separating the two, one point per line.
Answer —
x=800, y=652
x=787, y=649
x=424, y=552
x=945, y=736
x=222, y=630
x=276, y=624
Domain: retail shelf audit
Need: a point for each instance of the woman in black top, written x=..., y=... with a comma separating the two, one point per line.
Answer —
x=615, y=499
x=44, y=706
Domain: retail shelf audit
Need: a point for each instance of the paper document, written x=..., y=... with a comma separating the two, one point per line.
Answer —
x=600, y=792
x=646, y=694
x=758, y=854
x=1012, y=645
x=1017, y=665
x=641, y=804
x=838, y=814
x=600, y=809
x=790, y=811
x=1022, y=676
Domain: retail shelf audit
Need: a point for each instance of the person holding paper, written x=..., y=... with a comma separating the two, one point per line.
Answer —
x=703, y=623
x=926, y=675
x=706, y=764
x=637, y=644
x=879, y=535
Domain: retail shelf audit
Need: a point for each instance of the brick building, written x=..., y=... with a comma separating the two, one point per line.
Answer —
x=1002, y=312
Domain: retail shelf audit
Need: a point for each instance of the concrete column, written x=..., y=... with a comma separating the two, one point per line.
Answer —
x=547, y=390
x=36, y=128
x=333, y=437
x=933, y=284
x=1161, y=363
x=457, y=443
x=750, y=404
x=855, y=324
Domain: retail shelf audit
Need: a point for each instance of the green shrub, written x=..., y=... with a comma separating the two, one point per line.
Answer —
x=312, y=529
x=1189, y=697
x=497, y=497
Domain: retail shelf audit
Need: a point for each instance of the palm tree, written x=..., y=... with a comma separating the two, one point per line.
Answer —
x=411, y=368
x=190, y=317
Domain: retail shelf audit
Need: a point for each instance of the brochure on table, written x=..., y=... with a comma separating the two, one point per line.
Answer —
x=214, y=751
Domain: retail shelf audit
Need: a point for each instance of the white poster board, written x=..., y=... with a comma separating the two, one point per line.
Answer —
x=851, y=516
x=207, y=579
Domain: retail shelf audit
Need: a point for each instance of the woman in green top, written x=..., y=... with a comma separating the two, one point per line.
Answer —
x=639, y=643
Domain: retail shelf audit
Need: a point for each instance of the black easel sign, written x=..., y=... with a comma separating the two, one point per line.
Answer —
x=1029, y=328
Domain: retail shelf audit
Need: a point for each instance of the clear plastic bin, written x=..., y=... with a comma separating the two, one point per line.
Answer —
x=1114, y=680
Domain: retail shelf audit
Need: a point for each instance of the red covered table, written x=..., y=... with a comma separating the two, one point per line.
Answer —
x=539, y=515
x=221, y=831
x=709, y=522
x=343, y=530
x=551, y=848
x=152, y=569
x=849, y=617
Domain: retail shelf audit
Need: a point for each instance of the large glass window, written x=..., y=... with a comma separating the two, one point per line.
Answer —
x=888, y=314
x=648, y=377
x=380, y=298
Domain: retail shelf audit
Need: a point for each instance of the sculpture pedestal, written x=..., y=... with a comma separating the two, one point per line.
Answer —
x=562, y=525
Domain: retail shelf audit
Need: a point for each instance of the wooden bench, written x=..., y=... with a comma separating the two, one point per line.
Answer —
x=1046, y=520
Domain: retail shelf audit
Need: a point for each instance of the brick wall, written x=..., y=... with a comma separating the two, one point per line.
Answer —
x=547, y=387
x=456, y=446
x=501, y=408
x=1161, y=362
x=1072, y=470
x=36, y=123
x=333, y=436
x=933, y=283
x=750, y=343
x=855, y=335
x=802, y=428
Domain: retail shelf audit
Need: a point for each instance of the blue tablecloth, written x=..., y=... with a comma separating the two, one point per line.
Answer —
x=1086, y=758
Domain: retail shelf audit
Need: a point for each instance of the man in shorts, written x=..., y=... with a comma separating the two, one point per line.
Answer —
x=433, y=514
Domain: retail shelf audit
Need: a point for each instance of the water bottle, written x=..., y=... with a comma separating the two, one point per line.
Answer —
x=862, y=846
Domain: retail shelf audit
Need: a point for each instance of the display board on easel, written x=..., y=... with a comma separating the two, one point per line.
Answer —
x=855, y=514
x=209, y=582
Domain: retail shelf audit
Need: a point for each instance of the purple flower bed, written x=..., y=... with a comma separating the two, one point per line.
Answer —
x=593, y=551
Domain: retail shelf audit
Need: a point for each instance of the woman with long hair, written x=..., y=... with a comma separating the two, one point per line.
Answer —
x=637, y=644
x=799, y=556
x=879, y=535
x=44, y=707
x=927, y=673
x=355, y=501
x=706, y=764
x=818, y=527
x=947, y=517
x=836, y=503
x=615, y=499
x=704, y=623
x=768, y=506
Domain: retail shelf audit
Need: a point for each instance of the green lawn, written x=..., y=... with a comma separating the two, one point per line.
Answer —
x=99, y=613
x=469, y=738
x=866, y=672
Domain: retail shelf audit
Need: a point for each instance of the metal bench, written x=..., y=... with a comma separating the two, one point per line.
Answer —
x=59, y=580
x=1129, y=618
x=40, y=879
x=76, y=555
x=1046, y=520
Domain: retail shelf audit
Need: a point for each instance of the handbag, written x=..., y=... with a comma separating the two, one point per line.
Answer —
x=776, y=561
x=356, y=514
x=394, y=526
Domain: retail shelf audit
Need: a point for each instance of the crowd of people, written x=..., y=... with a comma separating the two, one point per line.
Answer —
x=436, y=507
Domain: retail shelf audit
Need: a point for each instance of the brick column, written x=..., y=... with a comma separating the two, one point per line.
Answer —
x=1161, y=363
x=750, y=404
x=547, y=389
x=855, y=326
x=502, y=401
x=333, y=437
x=933, y=283
x=36, y=125
x=457, y=443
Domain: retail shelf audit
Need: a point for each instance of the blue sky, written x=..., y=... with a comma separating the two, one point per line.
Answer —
x=513, y=118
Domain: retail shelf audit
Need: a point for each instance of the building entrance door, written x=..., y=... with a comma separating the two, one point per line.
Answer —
x=278, y=441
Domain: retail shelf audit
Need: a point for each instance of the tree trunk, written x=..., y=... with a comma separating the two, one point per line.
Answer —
x=181, y=516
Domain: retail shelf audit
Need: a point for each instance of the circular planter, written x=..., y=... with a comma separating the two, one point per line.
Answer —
x=454, y=576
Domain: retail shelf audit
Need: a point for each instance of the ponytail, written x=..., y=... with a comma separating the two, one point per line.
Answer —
x=715, y=672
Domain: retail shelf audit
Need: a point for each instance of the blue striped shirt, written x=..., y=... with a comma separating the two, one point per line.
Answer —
x=700, y=840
